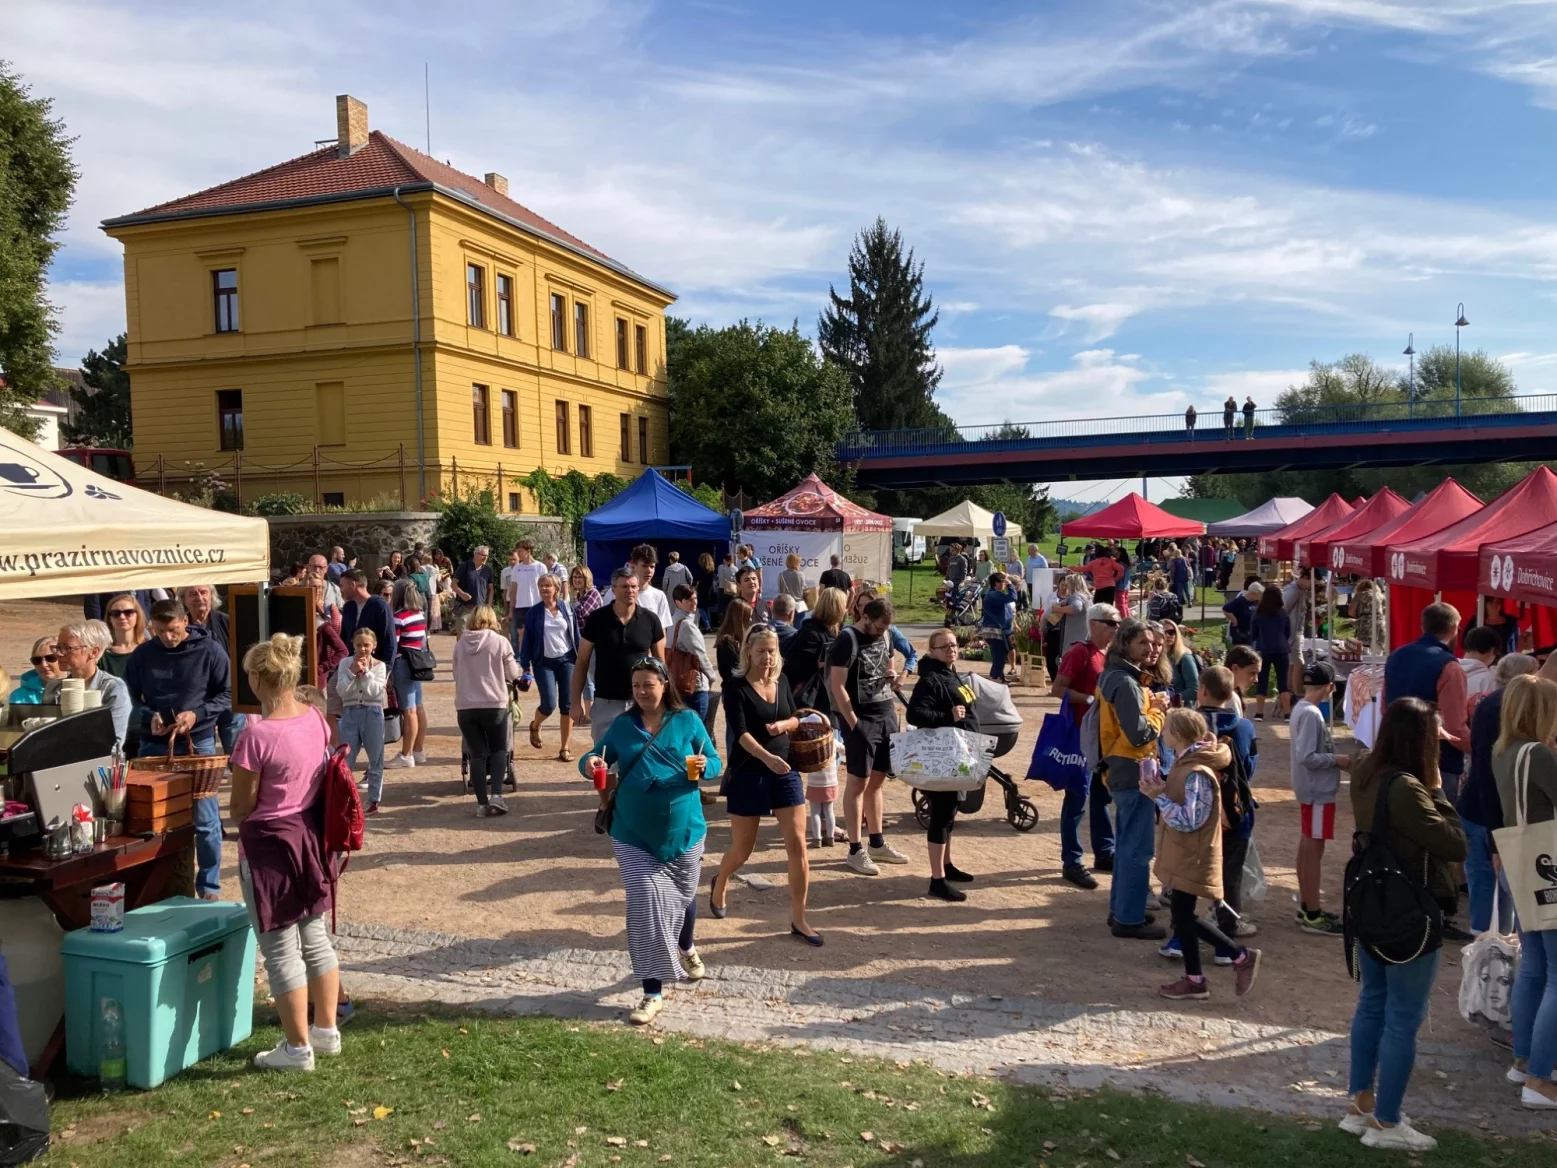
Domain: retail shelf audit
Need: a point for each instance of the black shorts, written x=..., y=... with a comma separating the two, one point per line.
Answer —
x=868, y=747
x=754, y=792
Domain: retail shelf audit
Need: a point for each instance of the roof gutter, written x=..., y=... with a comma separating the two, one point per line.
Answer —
x=416, y=351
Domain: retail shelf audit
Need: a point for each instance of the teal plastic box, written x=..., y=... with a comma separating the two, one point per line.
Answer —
x=182, y=971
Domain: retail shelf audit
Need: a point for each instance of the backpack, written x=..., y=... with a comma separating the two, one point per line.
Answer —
x=1233, y=786
x=343, y=820
x=1387, y=912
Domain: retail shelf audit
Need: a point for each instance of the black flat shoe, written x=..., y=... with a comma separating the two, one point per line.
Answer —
x=1103, y=863
x=957, y=876
x=940, y=890
x=713, y=910
x=812, y=939
x=1079, y=876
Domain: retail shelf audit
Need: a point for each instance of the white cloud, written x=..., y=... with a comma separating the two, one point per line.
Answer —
x=1264, y=385
x=986, y=386
x=1101, y=320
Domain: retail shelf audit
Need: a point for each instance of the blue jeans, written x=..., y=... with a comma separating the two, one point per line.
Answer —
x=1535, y=1002
x=207, y=817
x=228, y=726
x=1389, y=1012
x=362, y=727
x=998, y=646
x=1135, y=842
x=1102, y=828
x=554, y=680
x=699, y=702
x=1481, y=880
x=408, y=691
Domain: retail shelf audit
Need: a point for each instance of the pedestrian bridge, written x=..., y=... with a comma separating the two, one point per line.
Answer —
x=1321, y=437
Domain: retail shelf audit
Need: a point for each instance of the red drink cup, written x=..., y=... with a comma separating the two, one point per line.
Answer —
x=598, y=773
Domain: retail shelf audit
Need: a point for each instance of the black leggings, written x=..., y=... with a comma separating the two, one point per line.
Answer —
x=484, y=734
x=1235, y=850
x=653, y=985
x=1190, y=929
x=943, y=809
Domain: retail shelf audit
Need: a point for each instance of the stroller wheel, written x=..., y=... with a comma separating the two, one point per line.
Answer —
x=1022, y=814
x=922, y=809
x=508, y=776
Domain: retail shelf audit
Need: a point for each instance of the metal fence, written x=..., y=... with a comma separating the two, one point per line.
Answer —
x=1283, y=421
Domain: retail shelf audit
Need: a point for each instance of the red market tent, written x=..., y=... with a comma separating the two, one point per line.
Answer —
x=1315, y=550
x=815, y=522
x=1132, y=518
x=1450, y=558
x=1525, y=569
x=814, y=506
x=1367, y=554
x=1280, y=545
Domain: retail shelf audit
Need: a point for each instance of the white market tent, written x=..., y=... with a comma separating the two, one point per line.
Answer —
x=1270, y=516
x=70, y=531
x=966, y=520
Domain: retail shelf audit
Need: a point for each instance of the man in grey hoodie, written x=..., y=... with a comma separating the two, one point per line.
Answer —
x=1128, y=731
x=1316, y=781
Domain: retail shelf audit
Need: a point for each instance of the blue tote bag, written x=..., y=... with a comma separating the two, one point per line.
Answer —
x=1057, y=759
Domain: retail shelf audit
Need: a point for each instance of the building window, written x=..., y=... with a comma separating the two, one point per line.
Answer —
x=559, y=322
x=324, y=282
x=643, y=441
x=580, y=329
x=224, y=290
x=641, y=345
x=586, y=432
x=229, y=418
x=475, y=308
x=333, y=498
x=505, y=305
x=482, y=420
x=564, y=446
x=511, y=419
x=330, y=413
x=621, y=344
x=513, y=501
x=627, y=437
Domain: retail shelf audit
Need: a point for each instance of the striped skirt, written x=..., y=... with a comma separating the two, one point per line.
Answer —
x=658, y=895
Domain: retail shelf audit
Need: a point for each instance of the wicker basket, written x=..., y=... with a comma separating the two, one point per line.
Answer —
x=811, y=744
x=205, y=771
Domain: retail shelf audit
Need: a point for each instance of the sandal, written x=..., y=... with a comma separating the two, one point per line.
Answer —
x=535, y=735
x=564, y=755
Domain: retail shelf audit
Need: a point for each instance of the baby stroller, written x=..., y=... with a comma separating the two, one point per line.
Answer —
x=998, y=718
x=962, y=604
x=510, y=783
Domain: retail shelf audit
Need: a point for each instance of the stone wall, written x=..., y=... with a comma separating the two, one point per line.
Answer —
x=371, y=536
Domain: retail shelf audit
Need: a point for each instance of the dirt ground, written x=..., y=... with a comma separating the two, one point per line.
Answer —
x=542, y=875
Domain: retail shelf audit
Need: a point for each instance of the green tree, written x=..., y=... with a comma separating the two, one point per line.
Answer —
x=103, y=406
x=1484, y=381
x=754, y=407
x=879, y=334
x=37, y=179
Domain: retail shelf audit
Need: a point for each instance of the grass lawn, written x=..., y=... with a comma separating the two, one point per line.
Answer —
x=413, y=1088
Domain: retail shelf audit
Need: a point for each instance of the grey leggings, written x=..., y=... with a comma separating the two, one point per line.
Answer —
x=295, y=954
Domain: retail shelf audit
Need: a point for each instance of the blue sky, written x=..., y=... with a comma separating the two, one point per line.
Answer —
x=1122, y=205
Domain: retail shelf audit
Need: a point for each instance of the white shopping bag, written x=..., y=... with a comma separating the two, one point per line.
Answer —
x=1529, y=852
x=1487, y=969
x=943, y=759
x=1254, y=885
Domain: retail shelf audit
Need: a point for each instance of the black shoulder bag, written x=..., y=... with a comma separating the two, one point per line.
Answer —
x=1387, y=913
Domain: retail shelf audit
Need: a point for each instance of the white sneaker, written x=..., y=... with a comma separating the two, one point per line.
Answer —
x=1516, y=1076
x=1535, y=1101
x=362, y=784
x=646, y=1010
x=693, y=964
x=1402, y=1137
x=400, y=762
x=421, y=757
x=887, y=854
x=861, y=863
x=282, y=1059
x=1354, y=1124
x=324, y=1042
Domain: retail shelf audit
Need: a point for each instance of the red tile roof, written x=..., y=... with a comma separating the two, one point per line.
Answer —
x=382, y=162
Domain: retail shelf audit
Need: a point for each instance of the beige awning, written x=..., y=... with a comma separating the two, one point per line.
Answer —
x=967, y=520
x=65, y=530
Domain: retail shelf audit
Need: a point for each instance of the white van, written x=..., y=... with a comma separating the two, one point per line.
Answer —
x=907, y=548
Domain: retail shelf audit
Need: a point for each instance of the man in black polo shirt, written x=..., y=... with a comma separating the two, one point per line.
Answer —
x=614, y=636
x=860, y=680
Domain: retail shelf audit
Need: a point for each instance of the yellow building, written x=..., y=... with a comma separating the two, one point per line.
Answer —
x=365, y=315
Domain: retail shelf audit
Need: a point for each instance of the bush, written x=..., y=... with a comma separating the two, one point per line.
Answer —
x=281, y=503
x=467, y=522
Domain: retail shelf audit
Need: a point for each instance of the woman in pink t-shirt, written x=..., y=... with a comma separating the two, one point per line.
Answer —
x=278, y=771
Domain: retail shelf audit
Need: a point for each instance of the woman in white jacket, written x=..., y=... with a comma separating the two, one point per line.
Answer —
x=361, y=681
x=484, y=664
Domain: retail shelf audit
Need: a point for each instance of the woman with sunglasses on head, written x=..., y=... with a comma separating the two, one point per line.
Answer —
x=942, y=698
x=657, y=827
x=45, y=668
x=1181, y=660
x=126, y=622
x=761, y=714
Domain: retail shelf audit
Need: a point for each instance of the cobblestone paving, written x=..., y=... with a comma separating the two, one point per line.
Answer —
x=1179, y=1055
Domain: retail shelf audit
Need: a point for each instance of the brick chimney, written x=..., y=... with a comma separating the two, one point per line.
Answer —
x=497, y=182
x=351, y=125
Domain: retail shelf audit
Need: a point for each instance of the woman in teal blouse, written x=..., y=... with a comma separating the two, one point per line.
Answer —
x=657, y=829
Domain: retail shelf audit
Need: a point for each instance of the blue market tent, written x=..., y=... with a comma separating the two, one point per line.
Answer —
x=655, y=511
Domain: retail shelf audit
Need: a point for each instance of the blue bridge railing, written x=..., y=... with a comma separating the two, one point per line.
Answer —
x=1434, y=414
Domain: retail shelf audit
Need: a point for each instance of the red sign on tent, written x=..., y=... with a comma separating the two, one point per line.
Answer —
x=1279, y=545
x=814, y=506
x=1368, y=554
x=1318, y=550
x=1524, y=567
x=1132, y=518
x=1451, y=558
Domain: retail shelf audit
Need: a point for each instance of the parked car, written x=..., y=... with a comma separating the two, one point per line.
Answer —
x=113, y=464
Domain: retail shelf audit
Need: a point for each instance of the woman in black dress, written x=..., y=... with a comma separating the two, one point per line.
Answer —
x=760, y=780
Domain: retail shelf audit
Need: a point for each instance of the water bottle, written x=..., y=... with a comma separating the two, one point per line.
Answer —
x=110, y=1060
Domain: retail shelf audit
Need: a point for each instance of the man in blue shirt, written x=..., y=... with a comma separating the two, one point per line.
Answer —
x=363, y=610
x=1240, y=613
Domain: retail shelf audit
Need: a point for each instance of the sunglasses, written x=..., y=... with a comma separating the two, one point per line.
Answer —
x=49, y=657
x=650, y=663
x=1113, y=624
x=128, y=613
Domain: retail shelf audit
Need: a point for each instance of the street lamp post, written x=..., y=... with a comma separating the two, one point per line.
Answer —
x=1459, y=323
x=1410, y=351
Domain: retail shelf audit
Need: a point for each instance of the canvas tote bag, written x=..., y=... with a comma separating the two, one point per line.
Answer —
x=1529, y=852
